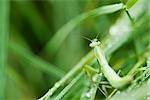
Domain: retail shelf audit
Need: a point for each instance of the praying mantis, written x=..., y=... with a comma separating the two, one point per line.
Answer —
x=114, y=79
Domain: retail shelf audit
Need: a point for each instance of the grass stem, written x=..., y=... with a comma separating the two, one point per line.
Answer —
x=4, y=30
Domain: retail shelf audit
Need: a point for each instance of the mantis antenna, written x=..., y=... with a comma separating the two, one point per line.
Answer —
x=97, y=35
x=87, y=38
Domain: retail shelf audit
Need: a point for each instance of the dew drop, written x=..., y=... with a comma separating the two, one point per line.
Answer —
x=88, y=94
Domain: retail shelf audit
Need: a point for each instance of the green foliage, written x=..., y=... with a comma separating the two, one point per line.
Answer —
x=130, y=3
x=4, y=27
x=46, y=57
x=66, y=29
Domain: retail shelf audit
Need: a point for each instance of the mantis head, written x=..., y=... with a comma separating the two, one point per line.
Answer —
x=94, y=43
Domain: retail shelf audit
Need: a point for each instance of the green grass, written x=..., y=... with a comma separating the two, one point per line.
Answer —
x=36, y=61
x=4, y=31
x=45, y=56
x=65, y=30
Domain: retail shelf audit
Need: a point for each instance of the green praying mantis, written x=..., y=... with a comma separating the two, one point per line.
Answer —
x=114, y=79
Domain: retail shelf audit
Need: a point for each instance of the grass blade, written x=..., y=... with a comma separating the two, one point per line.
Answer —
x=36, y=61
x=68, y=87
x=4, y=18
x=130, y=3
x=62, y=33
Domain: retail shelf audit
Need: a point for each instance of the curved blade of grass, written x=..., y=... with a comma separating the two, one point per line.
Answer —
x=130, y=3
x=62, y=33
x=4, y=24
x=32, y=72
x=76, y=87
x=68, y=87
x=36, y=61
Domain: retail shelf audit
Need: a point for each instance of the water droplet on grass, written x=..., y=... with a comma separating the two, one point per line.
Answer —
x=88, y=94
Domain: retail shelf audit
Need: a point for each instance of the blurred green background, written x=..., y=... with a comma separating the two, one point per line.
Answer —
x=32, y=25
x=37, y=58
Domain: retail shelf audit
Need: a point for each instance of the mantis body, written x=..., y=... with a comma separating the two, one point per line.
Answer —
x=114, y=79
